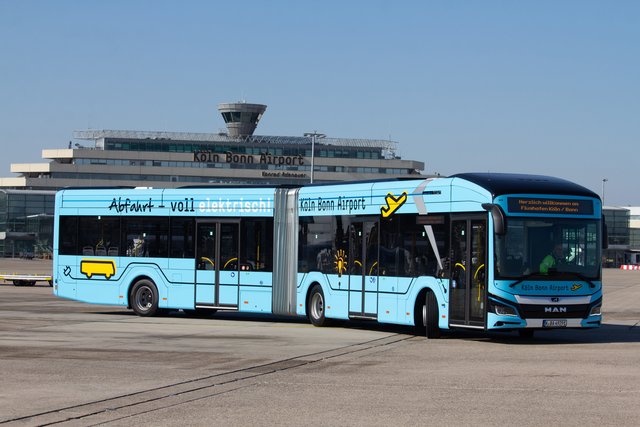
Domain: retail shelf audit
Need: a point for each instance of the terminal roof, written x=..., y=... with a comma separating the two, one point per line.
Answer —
x=224, y=138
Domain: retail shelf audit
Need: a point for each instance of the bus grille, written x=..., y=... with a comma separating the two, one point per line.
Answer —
x=531, y=311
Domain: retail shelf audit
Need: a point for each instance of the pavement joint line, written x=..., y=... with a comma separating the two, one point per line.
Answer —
x=299, y=361
x=252, y=371
x=195, y=399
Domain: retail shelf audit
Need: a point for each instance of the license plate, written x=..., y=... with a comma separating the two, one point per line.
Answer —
x=554, y=323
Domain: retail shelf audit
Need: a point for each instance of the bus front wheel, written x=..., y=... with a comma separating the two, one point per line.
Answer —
x=430, y=315
x=315, y=307
x=144, y=298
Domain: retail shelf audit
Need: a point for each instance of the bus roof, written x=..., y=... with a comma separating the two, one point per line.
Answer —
x=512, y=183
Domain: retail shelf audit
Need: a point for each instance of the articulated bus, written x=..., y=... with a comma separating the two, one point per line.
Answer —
x=478, y=250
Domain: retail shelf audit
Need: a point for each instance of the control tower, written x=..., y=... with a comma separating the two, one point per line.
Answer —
x=241, y=118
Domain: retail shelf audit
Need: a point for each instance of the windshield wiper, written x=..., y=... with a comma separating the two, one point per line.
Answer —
x=581, y=277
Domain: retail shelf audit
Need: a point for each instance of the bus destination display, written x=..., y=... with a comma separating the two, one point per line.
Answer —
x=550, y=206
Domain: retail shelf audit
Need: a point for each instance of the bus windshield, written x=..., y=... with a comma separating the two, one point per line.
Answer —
x=549, y=249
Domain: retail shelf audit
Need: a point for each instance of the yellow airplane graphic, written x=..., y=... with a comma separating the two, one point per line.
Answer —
x=575, y=287
x=393, y=204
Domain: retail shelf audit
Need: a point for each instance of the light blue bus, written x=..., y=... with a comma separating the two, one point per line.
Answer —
x=471, y=251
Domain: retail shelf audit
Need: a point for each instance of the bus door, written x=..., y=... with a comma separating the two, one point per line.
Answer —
x=467, y=287
x=363, y=269
x=217, y=274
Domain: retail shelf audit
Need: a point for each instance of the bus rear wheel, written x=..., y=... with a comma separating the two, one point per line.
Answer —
x=144, y=298
x=315, y=307
x=430, y=315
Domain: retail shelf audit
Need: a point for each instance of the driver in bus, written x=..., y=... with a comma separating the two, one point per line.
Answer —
x=553, y=259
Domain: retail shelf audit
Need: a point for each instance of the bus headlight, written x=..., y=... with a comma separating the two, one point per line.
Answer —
x=503, y=310
x=596, y=310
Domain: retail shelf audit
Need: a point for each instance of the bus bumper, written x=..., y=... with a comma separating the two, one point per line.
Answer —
x=507, y=315
x=496, y=322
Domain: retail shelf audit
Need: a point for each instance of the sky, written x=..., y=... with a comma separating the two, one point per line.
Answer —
x=545, y=87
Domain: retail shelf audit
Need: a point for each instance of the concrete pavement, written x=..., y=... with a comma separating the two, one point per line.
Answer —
x=71, y=363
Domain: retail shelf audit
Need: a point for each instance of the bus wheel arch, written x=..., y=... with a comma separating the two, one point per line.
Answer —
x=315, y=305
x=144, y=297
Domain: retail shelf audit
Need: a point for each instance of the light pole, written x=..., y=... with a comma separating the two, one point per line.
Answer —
x=603, y=181
x=313, y=136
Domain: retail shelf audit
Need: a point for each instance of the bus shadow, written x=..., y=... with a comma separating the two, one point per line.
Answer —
x=213, y=315
x=270, y=318
x=608, y=333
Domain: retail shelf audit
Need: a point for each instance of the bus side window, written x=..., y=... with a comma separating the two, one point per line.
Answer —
x=256, y=236
x=182, y=240
x=146, y=236
x=315, y=249
x=68, y=235
x=435, y=263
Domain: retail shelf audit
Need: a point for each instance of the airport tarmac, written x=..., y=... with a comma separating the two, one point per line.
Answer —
x=67, y=363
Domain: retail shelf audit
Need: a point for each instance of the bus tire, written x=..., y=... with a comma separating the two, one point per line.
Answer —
x=144, y=298
x=418, y=314
x=316, y=307
x=431, y=316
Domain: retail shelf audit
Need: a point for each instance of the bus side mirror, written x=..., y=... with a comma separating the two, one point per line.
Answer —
x=605, y=234
x=498, y=217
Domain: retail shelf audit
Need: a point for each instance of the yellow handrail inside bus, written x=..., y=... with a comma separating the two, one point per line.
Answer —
x=372, y=267
x=480, y=286
x=204, y=258
x=230, y=261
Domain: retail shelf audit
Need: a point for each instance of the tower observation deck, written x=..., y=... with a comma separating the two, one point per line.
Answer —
x=241, y=118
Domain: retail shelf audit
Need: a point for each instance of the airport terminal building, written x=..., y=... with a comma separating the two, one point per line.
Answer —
x=98, y=158
x=174, y=159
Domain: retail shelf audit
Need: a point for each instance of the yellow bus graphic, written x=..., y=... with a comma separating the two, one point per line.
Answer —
x=102, y=267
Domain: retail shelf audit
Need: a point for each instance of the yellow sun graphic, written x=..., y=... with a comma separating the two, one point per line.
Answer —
x=341, y=262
